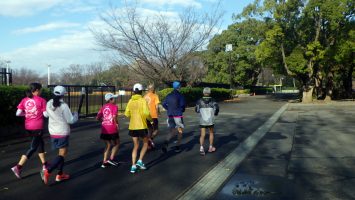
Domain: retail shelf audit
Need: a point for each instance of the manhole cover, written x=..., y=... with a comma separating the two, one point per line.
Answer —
x=251, y=187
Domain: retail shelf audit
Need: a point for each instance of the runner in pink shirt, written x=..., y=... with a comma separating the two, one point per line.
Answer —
x=33, y=108
x=109, y=129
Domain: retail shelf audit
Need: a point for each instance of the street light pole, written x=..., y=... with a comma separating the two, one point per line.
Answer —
x=49, y=74
x=7, y=72
x=229, y=48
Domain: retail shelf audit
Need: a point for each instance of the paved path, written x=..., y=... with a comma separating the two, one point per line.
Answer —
x=167, y=177
x=310, y=149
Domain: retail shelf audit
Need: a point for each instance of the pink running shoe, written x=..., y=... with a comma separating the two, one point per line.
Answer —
x=16, y=171
x=62, y=177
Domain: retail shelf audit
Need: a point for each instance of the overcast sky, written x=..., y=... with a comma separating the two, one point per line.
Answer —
x=34, y=33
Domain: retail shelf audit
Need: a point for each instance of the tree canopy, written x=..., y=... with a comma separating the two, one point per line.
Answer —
x=240, y=66
x=311, y=40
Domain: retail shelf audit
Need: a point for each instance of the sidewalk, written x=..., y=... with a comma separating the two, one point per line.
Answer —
x=309, y=153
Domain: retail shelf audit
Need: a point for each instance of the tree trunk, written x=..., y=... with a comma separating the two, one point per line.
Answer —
x=329, y=87
x=347, y=82
x=307, y=94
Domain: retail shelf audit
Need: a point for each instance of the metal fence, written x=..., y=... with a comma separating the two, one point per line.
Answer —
x=92, y=98
x=5, y=76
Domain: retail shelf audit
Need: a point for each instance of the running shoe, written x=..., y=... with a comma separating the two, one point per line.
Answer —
x=105, y=164
x=45, y=176
x=202, y=151
x=16, y=171
x=141, y=165
x=177, y=149
x=62, y=177
x=133, y=169
x=112, y=163
x=211, y=149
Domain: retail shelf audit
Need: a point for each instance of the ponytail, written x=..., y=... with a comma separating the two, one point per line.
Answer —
x=29, y=93
x=56, y=101
x=32, y=88
x=136, y=91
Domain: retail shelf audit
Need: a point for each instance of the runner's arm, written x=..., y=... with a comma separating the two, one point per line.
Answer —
x=165, y=103
x=157, y=104
x=44, y=108
x=127, y=112
x=20, y=113
x=45, y=114
x=215, y=108
x=197, y=107
x=146, y=111
x=182, y=103
x=99, y=115
x=20, y=109
x=68, y=116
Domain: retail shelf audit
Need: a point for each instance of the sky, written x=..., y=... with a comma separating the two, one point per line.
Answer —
x=37, y=33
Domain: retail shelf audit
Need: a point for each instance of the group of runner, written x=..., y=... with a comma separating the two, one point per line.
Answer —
x=142, y=111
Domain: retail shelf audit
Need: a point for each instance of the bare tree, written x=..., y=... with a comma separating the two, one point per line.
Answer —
x=94, y=73
x=193, y=69
x=25, y=76
x=156, y=46
x=74, y=74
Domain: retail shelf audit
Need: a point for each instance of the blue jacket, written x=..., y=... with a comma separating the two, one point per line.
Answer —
x=174, y=103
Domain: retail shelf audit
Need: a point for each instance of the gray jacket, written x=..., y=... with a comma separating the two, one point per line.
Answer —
x=208, y=108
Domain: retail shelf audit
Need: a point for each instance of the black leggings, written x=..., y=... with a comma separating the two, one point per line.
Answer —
x=36, y=144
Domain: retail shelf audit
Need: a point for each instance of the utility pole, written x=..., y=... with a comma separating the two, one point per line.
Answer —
x=49, y=74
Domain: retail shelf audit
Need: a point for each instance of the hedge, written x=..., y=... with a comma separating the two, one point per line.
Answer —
x=193, y=94
x=244, y=91
x=260, y=90
x=10, y=97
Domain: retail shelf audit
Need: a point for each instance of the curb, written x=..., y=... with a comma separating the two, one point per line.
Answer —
x=209, y=184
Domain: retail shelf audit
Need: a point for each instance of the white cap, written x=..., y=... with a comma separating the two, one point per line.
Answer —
x=138, y=86
x=206, y=90
x=59, y=90
x=109, y=96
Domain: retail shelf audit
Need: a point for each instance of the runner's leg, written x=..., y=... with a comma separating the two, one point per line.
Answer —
x=107, y=150
x=144, y=148
x=116, y=145
x=211, y=136
x=179, y=136
x=135, y=149
x=29, y=153
x=202, y=137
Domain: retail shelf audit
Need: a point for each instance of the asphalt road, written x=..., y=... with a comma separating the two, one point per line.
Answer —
x=308, y=154
x=167, y=177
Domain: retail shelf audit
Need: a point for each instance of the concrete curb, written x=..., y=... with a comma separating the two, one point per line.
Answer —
x=209, y=184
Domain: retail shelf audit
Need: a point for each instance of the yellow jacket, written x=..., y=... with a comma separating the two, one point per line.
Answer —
x=138, y=112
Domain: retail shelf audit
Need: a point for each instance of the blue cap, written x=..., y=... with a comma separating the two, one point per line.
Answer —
x=176, y=85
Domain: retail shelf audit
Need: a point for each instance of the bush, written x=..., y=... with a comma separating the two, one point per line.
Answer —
x=10, y=97
x=193, y=94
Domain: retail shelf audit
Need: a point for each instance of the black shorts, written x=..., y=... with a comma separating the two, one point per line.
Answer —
x=154, y=125
x=114, y=136
x=138, y=133
x=207, y=126
x=58, y=143
x=34, y=133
